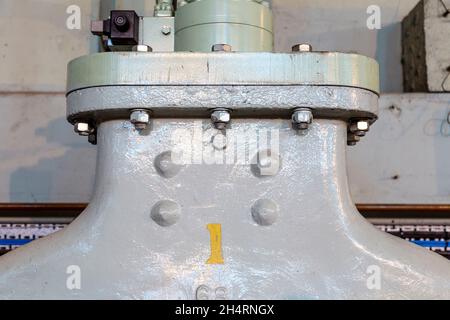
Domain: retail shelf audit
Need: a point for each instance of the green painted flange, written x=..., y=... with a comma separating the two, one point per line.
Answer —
x=184, y=68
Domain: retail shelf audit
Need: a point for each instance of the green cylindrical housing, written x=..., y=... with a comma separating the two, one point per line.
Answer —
x=246, y=25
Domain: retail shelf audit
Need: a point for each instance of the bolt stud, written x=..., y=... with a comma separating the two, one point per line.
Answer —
x=358, y=128
x=83, y=129
x=142, y=48
x=302, y=118
x=221, y=48
x=303, y=47
x=140, y=118
x=221, y=118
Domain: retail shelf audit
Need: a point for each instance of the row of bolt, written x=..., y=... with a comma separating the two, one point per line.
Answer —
x=302, y=119
x=220, y=47
x=304, y=47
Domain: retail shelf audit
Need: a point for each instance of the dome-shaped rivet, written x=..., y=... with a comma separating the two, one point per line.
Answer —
x=266, y=163
x=166, y=213
x=165, y=165
x=265, y=212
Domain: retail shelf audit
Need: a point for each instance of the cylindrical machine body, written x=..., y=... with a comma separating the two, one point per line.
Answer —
x=292, y=233
x=245, y=25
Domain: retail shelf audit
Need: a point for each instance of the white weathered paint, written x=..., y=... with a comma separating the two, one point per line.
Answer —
x=42, y=159
x=404, y=158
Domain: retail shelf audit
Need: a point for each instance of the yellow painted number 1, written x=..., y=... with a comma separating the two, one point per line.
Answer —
x=215, y=233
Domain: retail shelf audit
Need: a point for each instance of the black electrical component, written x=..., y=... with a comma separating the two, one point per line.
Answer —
x=122, y=28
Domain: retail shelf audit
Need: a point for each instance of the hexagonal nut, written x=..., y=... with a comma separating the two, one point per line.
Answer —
x=302, y=117
x=221, y=47
x=140, y=118
x=97, y=27
x=221, y=116
x=353, y=139
x=166, y=30
x=92, y=138
x=360, y=126
x=303, y=47
x=142, y=48
x=83, y=128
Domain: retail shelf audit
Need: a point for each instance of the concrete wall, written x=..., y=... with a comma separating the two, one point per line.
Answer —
x=35, y=44
x=405, y=157
x=42, y=160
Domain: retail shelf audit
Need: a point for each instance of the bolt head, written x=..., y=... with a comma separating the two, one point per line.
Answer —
x=363, y=125
x=360, y=133
x=360, y=127
x=304, y=47
x=97, y=27
x=221, y=48
x=302, y=118
x=221, y=116
x=166, y=30
x=83, y=129
x=142, y=48
x=352, y=139
x=93, y=138
x=140, y=119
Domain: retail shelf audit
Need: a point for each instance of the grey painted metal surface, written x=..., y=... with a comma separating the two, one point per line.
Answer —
x=181, y=101
x=309, y=198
